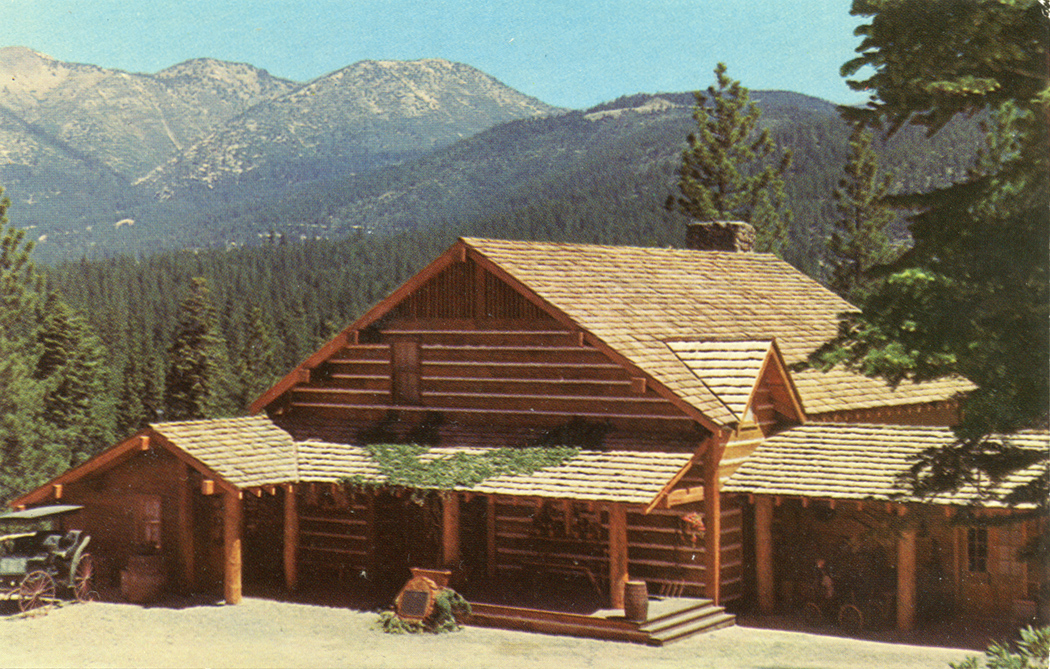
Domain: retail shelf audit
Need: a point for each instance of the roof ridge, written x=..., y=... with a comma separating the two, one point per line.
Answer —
x=526, y=243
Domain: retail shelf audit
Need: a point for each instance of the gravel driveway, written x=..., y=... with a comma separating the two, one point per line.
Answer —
x=265, y=633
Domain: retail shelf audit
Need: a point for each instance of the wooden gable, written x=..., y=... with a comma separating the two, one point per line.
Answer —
x=464, y=353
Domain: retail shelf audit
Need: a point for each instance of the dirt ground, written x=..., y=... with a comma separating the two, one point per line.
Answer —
x=266, y=633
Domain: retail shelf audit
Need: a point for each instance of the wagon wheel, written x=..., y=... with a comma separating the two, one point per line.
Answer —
x=36, y=591
x=83, y=579
x=812, y=614
x=851, y=619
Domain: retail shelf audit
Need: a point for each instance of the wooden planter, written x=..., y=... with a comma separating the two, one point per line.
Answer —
x=440, y=577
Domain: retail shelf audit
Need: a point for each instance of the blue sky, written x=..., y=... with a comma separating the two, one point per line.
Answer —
x=573, y=53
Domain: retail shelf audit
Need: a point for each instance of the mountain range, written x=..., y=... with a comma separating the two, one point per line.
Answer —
x=85, y=145
x=212, y=154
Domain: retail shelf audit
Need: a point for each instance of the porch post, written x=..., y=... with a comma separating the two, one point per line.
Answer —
x=450, y=556
x=185, y=529
x=232, y=516
x=906, y=580
x=712, y=530
x=764, y=553
x=490, y=539
x=617, y=554
x=291, y=538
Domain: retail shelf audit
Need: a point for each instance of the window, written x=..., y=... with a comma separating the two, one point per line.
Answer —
x=977, y=549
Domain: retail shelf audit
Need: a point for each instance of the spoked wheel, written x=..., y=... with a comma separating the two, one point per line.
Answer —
x=84, y=579
x=37, y=592
x=812, y=614
x=851, y=619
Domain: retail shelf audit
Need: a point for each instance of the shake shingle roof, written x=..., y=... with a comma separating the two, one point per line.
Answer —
x=246, y=451
x=843, y=461
x=638, y=299
x=729, y=369
x=250, y=452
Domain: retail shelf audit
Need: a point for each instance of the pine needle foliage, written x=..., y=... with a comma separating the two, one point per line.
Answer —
x=971, y=297
x=197, y=376
x=730, y=171
x=1033, y=652
x=858, y=241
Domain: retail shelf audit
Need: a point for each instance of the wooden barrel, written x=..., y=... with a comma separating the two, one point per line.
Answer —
x=636, y=601
x=144, y=579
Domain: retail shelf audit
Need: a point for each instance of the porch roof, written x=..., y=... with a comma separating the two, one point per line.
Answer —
x=862, y=462
x=632, y=477
x=247, y=451
x=252, y=451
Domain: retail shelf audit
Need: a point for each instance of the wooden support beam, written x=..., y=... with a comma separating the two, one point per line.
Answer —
x=232, y=517
x=491, y=558
x=58, y=490
x=144, y=442
x=764, y=554
x=207, y=487
x=339, y=496
x=906, y=580
x=291, y=538
x=372, y=535
x=712, y=531
x=450, y=556
x=480, y=304
x=184, y=529
x=617, y=554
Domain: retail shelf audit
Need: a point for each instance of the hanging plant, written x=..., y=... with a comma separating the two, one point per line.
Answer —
x=694, y=526
x=401, y=465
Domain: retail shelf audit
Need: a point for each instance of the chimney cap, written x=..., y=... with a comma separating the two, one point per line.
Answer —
x=720, y=236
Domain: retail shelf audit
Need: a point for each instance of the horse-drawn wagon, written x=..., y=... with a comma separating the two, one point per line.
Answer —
x=36, y=567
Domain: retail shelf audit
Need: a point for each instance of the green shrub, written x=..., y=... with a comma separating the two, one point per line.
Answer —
x=448, y=605
x=1033, y=652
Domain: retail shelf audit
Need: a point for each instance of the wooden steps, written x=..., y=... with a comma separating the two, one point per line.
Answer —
x=554, y=622
x=671, y=619
x=683, y=619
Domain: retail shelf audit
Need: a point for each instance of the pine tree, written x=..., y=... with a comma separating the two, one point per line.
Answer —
x=858, y=240
x=255, y=364
x=971, y=297
x=729, y=171
x=196, y=383
x=29, y=448
x=70, y=367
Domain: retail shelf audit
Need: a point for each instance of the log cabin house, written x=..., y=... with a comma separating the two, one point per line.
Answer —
x=702, y=464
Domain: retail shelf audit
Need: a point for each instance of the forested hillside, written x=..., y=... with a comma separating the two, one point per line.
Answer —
x=581, y=175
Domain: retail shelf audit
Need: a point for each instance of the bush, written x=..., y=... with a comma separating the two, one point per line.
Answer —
x=448, y=606
x=1033, y=652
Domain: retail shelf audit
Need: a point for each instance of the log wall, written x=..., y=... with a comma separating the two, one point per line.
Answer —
x=130, y=509
x=334, y=532
x=465, y=359
x=531, y=537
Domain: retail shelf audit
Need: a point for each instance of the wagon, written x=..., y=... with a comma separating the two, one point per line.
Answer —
x=37, y=567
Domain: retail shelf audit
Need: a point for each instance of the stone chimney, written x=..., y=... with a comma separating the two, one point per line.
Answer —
x=720, y=236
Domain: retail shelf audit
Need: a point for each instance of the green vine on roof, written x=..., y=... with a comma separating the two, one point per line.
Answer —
x=402, y=465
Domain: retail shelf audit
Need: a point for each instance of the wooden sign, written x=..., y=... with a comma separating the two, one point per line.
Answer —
x=415, y=602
